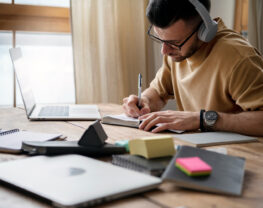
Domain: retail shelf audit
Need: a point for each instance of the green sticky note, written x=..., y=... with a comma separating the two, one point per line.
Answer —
x=123, y=143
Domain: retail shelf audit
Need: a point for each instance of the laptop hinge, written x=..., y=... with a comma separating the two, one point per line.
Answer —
x=32, y=109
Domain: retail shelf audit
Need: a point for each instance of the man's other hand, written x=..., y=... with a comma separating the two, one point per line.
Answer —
x=130, y=106
x=177, y=120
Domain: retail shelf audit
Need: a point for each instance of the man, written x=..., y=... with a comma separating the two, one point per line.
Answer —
x=217, y=85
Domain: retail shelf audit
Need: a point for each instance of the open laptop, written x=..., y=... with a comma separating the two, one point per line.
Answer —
x=47, y=112
x=74, y=180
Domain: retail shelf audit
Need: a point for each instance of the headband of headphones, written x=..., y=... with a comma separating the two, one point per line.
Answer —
x=208, y=29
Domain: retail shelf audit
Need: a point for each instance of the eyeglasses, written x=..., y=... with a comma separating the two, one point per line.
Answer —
x=170, y=42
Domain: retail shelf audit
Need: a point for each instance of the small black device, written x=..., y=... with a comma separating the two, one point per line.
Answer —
x=91, y=143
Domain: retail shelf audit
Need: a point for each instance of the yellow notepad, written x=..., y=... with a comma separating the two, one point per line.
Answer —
x=152, y=147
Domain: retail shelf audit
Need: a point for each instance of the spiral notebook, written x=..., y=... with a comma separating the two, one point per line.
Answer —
x=11, y=140
x=153, y=167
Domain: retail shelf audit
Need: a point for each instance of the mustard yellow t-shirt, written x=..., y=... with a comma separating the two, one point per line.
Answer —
x=224, y=75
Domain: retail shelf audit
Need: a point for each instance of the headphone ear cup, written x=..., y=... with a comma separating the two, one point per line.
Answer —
x=207, y=34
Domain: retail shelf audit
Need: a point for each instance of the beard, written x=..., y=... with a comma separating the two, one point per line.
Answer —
x=177, y=57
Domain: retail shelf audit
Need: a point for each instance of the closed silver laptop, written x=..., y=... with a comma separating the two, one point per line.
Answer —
x=36, y=111
x=74, y=180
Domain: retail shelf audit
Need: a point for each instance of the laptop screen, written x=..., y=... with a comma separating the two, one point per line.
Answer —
x=23, y=79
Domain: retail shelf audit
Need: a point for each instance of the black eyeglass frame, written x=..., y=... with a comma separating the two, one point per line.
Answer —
x=169, y=42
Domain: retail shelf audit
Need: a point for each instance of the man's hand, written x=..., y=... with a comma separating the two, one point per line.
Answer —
x=130, y=106
x=177, y=120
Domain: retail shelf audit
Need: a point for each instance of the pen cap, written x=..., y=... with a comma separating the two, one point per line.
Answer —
x=139, y=80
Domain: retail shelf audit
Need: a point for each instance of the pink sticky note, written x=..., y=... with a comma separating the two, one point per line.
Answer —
x=193, y=164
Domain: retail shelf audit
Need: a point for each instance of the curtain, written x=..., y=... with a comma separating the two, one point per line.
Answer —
x=109, y=48
x=255, y=24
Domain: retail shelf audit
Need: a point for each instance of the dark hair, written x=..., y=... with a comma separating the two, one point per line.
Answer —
x=163, y=13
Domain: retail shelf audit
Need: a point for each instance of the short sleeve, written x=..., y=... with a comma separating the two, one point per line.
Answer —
x=246, y=84
x=162, y=82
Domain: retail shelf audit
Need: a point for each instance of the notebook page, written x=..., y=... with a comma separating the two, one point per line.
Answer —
x=13, y=141
x=123, y=117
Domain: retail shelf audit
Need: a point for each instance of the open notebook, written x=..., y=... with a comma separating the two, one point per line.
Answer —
x=11, y=140
x=123, y=120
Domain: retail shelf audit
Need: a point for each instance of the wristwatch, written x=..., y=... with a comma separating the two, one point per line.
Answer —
x=209, y=120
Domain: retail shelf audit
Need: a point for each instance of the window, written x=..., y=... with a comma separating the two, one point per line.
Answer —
x=51, y=65
x=6, y=72
x=54, y=3
x=42, y=29
x=6, y=1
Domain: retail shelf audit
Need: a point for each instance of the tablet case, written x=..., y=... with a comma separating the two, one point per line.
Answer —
x=91, y=143
x=214, y=138
x=226, y=178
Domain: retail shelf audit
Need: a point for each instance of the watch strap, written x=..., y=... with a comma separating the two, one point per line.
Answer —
x=202, y=128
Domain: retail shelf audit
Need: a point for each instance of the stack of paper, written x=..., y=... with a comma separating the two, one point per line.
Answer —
x=11, y=141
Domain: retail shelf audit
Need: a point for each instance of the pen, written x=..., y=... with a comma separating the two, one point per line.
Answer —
x=139, y=89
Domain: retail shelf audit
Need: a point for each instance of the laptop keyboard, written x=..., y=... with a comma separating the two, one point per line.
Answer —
x=54, y=111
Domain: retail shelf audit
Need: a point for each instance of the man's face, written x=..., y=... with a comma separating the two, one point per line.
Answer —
x=177, y=33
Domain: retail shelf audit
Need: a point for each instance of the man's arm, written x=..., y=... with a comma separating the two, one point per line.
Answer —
x=250, y=123
x=150, y=102
x=154, y=100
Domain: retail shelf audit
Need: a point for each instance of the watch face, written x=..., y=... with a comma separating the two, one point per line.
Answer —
x=210, y=117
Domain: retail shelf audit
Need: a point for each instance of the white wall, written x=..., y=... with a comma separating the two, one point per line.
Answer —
x=224, y=9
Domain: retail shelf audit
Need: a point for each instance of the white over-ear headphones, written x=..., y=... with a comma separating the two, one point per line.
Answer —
x=208, y=28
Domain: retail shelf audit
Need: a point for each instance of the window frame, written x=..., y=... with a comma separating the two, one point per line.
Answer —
x=31, y=18
x=34, y=18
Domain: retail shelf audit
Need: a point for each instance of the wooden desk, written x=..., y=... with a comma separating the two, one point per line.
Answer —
x=168, y=195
